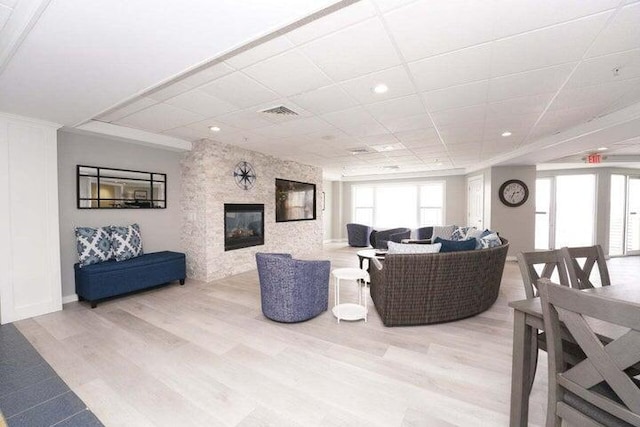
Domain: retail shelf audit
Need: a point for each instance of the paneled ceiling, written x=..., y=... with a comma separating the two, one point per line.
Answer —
x=467, y=82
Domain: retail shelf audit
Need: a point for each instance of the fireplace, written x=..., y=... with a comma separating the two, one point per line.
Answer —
x=243, y=225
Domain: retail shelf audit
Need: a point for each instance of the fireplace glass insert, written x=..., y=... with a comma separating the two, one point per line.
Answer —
x=243, y=225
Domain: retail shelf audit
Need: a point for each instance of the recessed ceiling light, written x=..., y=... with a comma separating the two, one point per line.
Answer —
x=214, y=128
x=381, y=88
x=506, y=133
x=602, y=148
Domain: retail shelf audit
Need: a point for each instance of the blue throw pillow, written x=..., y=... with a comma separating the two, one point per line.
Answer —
x=93, y=245
x=456, y=245
x=126, y=242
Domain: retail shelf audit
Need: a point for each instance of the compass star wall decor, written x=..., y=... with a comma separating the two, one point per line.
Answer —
x=244, y=175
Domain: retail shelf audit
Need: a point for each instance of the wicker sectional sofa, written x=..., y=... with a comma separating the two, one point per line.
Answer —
x=419, y=289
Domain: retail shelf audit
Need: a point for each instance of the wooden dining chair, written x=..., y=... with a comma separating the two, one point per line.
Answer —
x=547, y=262
x=580, y=276
x=597, y=390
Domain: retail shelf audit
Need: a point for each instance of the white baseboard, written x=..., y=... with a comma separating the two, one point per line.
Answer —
x=334, y=241
x=69, y=298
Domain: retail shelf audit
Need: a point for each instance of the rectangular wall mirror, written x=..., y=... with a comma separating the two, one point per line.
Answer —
x=106, y=188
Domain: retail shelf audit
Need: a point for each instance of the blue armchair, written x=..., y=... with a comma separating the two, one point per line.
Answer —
x=358, y=235
x=379, y=239
x=292, y=290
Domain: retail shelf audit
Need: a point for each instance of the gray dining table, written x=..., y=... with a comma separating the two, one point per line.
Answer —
x=527, y=318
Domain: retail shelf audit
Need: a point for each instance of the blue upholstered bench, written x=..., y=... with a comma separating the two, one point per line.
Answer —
x=111, y=278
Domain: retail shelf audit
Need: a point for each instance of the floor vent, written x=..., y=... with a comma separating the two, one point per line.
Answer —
x=280, y=110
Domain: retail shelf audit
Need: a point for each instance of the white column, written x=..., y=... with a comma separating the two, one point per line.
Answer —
x=30, y=282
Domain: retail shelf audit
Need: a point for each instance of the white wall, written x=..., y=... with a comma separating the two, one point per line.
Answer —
x=515, y=224
x=160, y=228
x=29, y=245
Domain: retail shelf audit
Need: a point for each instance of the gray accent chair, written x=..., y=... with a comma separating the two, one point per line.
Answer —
x=424, y=233
x=358, y=235
x=379, y=239
x=292, y=290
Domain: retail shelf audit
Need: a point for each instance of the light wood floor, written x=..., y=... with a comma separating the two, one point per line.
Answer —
x=203, y=354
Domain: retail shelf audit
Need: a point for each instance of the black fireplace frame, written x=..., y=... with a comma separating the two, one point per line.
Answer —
x=247, y=241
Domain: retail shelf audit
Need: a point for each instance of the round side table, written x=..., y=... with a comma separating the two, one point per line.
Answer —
x=349, y=311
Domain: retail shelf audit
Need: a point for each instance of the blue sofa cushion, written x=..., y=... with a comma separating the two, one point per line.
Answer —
x=456, y=245
x=93, y=245
x=126, y=242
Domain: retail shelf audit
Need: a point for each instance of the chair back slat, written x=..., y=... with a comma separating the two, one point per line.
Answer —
x=550, y=260
x=604, y=362
x=580, y=276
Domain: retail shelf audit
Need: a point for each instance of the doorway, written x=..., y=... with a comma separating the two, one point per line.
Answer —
x=624, y=221
x=475, y=202
x=565, y=211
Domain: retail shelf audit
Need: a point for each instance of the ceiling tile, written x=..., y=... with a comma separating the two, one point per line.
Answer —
x=201, y=103
x=545, y=80
x=208, y=74
x=160, y=117
x=524, y=15
x=404, y=123
x=465, y=115
x=602, y=69
x=5, y=13
x=355, y=122
x=457, y=96
x=259, y=53
x=602, y=94
x=168, y=91
x=130, y=108
x=357, y=50
x=298, y=127
x=185, y=133
x=518, y=106
x=426, y=28
x=204, y=125
x=336, y=21
x=622, y=34
x=396, y=108
x=325, y=100
x=396, y=79
x=238, y=89
x=288, y=74
x=549, y=46
x=245, y=119
x=464, y=66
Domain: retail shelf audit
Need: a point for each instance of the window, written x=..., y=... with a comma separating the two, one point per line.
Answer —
x=399, y=205
x=431, y=203
x=575, y=210
x=363, y=198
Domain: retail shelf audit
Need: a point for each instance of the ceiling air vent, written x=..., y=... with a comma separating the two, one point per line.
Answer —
x=281, y=111
x=359, y=150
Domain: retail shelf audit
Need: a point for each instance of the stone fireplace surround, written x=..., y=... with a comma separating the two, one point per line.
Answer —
x=207, y=184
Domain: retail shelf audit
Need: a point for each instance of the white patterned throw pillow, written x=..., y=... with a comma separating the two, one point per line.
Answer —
x=443, y=232
x=126, y=242
x=93, y=245
x=412, y=248
x=490, y=241
x=462, y=233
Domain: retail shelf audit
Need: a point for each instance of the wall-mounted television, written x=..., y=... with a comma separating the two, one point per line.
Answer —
x=295, y=201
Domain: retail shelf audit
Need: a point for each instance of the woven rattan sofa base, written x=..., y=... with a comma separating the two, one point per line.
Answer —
x=420, y=289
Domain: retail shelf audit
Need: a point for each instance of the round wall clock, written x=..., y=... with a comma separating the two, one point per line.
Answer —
x=513, y=193
x=245, y=175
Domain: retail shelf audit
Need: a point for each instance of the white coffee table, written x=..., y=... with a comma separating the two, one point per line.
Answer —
x=350, y=311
